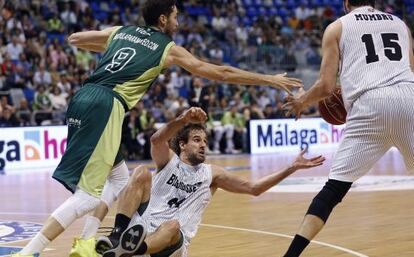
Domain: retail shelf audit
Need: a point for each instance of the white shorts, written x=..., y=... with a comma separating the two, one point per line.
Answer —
x=378, y=119
x=151, y=228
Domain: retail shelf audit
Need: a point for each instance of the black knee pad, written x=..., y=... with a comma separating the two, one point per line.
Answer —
x=331, y=194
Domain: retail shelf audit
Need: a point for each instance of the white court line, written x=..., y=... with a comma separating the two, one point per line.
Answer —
x=286, y=236
x=224, y=227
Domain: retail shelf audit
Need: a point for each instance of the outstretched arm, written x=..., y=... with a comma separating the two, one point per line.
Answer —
x=160, y=151
x=93, y=40
x=232, y=183
x=181, y=57
x=326, y=83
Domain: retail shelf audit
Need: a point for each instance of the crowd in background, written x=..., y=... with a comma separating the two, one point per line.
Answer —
x=40, y=71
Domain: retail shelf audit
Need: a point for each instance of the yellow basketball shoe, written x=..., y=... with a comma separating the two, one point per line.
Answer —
x=83, y=248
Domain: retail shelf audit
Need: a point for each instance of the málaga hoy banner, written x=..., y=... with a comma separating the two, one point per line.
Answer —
x=31, y=147
x=273, y=136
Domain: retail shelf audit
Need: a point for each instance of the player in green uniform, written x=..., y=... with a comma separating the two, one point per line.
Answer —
x=132, y=59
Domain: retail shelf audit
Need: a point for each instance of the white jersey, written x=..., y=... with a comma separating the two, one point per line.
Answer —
x=374, y=49
x=181, y=192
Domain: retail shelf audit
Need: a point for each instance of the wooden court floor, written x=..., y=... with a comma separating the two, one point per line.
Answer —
x=375, y=219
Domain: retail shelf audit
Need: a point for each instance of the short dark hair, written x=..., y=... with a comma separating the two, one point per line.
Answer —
x=362, y=2
x=183, y=135
x=153, y=9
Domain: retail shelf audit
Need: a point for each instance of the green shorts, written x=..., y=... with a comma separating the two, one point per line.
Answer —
x=94, y=118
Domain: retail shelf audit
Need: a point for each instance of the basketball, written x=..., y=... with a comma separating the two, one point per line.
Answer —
x=332, y=108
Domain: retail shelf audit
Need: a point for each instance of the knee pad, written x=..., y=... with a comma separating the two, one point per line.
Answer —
x=75, y=207
x=331, y=194
x=115, y=183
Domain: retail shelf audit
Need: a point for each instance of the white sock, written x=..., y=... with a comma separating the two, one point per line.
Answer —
x=36, y=245
x=91, y=227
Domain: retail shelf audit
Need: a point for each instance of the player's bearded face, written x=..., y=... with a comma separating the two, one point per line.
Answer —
x=172, y=23
x=196, y=147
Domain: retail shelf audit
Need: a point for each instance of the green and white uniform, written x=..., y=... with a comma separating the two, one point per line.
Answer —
x=133, y=59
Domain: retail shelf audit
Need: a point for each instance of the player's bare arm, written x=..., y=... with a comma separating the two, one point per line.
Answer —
x=181, y=57
x=93, y=40
x=410, y=54
x=326, y=83
x=160, y=151
x=232, y=183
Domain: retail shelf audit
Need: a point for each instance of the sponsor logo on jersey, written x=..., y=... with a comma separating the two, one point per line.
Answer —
x=189, y=188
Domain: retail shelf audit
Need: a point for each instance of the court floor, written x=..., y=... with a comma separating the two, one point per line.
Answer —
x=375, y=219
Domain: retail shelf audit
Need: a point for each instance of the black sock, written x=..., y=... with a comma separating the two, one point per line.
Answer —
x=297, y=246
x=122, y=222
x=142, y=249
x=142, y=207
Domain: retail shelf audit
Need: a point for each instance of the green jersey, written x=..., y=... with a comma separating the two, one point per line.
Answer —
x=133, y=59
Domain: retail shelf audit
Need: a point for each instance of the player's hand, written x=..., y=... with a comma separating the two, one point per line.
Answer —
x=288, y=84
x=294, y=105
x=303, y=163
x=194, y=115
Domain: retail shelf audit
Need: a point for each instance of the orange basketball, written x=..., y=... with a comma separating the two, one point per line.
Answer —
x=332, y=108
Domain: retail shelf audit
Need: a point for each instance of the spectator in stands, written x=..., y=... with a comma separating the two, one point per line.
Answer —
x=14, y=49
x=64, y=83
x=55, y=25
x=256, y=112
x=280, y=113
x=5, y=105
x=232, y=121
x=215, y=130
x=263, y=99
x=158, y=92
x=216, y=54
x=7, y=113
x=24, y=113
x=19, y=78
x=131, y=132
x=83, y=58
x=194, y=96
x=268, y=112
x=294, y=22
x=58, y=99
x=42, y=104
x=158, y=111
x=303, y=12
x=178, y=104
x=42, y=76
x=148, y=128
x=8, y=119
x=68, y=16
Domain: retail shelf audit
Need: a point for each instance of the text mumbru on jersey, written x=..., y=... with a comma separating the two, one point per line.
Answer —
x=374, y=17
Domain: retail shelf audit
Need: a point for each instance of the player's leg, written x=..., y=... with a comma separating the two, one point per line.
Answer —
x=229, y=131
x=73, y=208
x=218, y=135
x=135, y=197
x=87, y=160
x=116, y=181
x=364, y=143
x=166, y=239
x=401, y=123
